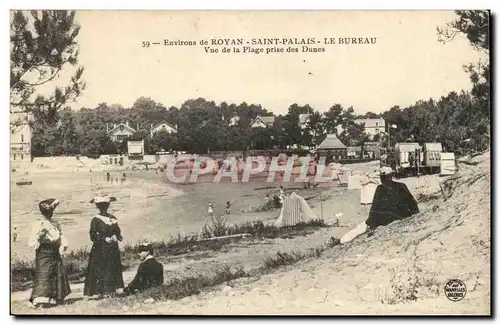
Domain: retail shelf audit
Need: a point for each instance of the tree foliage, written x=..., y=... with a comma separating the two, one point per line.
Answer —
x=42, y=44
x=457, y=120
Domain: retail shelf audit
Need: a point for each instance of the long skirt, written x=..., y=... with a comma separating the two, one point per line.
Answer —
x=104, y=272
x=51, y=283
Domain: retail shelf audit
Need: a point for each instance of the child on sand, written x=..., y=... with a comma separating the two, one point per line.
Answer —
x=228, y=207
x=210, y=210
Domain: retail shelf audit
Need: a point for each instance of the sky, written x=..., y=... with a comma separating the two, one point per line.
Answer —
x=406, y=64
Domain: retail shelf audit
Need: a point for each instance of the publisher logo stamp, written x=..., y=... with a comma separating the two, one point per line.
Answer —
x=455, y=290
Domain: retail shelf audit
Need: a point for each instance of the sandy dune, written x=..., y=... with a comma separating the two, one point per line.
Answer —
x=401, y=269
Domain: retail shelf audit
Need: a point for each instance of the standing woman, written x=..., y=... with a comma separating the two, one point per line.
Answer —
x=104, y=272
x=51, y=284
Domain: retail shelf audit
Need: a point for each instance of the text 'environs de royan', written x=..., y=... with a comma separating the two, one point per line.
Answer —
x=272, y=41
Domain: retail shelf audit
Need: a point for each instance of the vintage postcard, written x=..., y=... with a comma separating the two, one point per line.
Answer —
x=250, y=162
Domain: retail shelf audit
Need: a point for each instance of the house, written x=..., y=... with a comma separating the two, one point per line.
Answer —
x=372, y=150
x=372, y=126
x=121, y=132
x=332, y=148
x=20, y=138
x=262, y=122
x=234, y=120
x=135, y=150
x=163, y=127
x=303, y=120
x=354, y=152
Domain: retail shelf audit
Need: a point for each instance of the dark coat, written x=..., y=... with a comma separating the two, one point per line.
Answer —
x=392, y=201
x=104, y=271
x=149, y=274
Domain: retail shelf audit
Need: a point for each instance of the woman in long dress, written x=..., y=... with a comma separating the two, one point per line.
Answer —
x=51, y=283
x=104, y=273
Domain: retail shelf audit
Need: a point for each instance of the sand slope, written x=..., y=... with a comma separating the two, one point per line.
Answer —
x=401, y=269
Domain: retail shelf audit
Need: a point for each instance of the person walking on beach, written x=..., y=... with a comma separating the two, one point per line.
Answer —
x=149, y=274
x=51, y=284
x=228, y=207
x=104, y=271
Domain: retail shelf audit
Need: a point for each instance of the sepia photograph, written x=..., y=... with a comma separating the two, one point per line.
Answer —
x=245, y=162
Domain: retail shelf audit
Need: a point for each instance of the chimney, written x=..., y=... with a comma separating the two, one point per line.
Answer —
x=137, y=126
x=114, y=125
x=107, y=128
x=126, y=123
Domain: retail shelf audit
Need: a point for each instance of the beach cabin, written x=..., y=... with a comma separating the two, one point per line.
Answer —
x=332, y=149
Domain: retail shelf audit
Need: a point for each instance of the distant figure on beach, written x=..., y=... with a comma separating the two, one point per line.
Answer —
x=104, y=272
x=228, y=207
x=210, y=210
x=282, y=194
x=51, y=284
x=14, y=234
x=124, y=177
x=108, y=176
x=149, y=274
x=267, y=198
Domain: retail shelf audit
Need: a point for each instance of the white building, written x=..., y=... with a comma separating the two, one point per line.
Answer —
x=20, y=138
x=234, y=120
x=262, y=122
x=163, y=127
x=372, y=126
x=121, y=132
x=303, y=120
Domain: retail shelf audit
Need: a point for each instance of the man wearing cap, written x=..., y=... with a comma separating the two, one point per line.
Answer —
x=392, y=201
x=150, y=271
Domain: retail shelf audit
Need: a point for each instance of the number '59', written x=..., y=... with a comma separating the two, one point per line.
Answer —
x=145, y=43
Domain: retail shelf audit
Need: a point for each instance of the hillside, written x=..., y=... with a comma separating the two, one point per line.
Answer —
x=400, y=269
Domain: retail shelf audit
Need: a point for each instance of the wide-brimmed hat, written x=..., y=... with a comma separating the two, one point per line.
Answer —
x=103, y=199
x=48, y=205
x=386, y=171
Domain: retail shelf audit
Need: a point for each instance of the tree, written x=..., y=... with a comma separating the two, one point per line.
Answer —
x=40, y=49
x=475, y=25
x=294, y=133
x=163, y=140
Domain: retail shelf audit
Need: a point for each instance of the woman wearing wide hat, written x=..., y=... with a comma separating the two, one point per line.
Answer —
x=104, y=272
x=51, y=284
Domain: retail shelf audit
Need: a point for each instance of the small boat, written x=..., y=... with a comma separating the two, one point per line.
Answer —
x=20, y=183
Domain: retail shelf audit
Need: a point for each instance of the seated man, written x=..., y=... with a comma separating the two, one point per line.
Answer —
x=149, y=274
x=392, y=201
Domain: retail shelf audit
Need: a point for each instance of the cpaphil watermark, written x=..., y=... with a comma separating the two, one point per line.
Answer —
x=455, y=290
x=193, y=168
